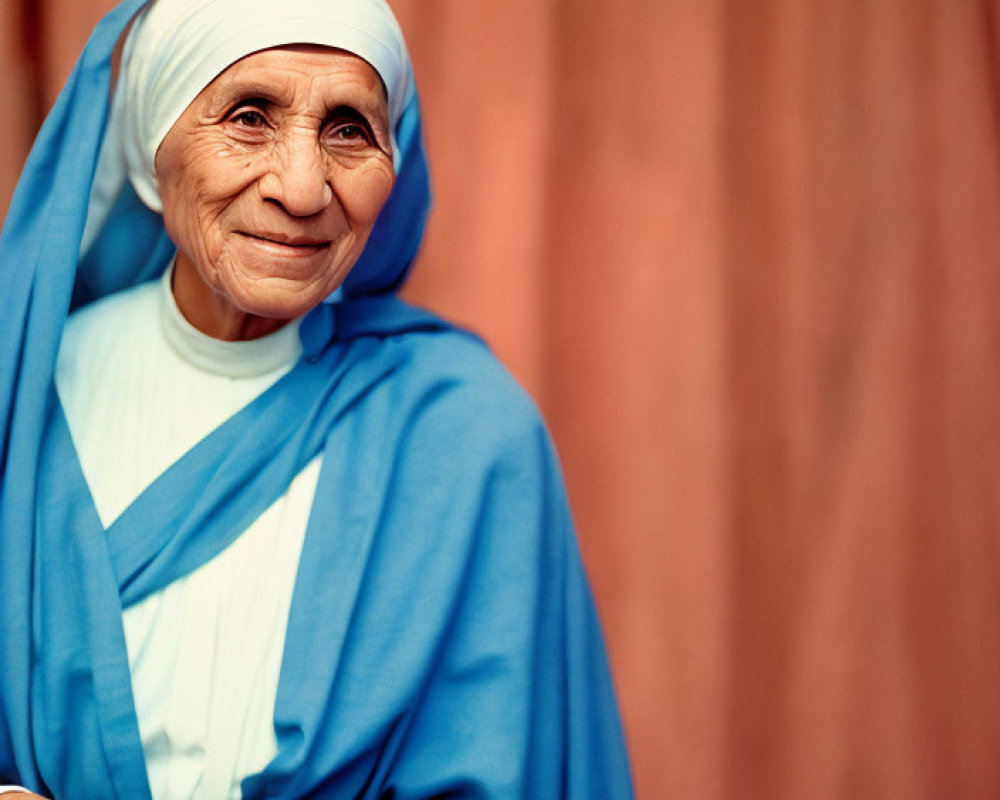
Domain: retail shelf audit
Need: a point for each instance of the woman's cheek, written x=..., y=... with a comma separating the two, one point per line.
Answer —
x=225, y=174
x=365, y=190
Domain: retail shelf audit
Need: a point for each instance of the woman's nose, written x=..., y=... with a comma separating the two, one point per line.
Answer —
x=298, y=179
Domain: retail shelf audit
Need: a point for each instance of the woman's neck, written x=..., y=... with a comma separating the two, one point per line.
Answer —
x=212, y=313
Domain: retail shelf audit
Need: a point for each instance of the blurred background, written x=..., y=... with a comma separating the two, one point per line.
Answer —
x=745, y=256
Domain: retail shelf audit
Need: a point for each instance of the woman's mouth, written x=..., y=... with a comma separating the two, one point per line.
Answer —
x=286, y=244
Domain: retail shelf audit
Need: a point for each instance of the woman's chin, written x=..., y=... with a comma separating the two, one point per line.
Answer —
x=281, y=298
x=232, y=295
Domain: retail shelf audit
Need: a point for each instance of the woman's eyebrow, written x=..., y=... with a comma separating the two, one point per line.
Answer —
x=371, y=106
x=346, y=111
x=371, y=117
x=240, y=90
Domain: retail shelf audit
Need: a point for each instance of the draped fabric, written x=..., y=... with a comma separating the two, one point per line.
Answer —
x=442, y=639
x=745, y=255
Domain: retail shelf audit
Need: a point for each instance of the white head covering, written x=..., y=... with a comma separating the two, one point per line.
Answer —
x=177, y=47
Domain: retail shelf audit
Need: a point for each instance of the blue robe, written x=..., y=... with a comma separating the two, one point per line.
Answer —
x=442, y=641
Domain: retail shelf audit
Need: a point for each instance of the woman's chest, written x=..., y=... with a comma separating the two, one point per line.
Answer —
x=205, y=651
x=205, y=656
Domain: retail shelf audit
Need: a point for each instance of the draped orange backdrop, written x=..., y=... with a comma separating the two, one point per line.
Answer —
x=745, y=255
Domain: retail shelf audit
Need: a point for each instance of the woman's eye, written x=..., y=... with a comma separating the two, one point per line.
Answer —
x=350, y=132
x=249, y=119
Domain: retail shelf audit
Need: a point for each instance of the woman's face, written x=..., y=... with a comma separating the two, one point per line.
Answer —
x=271, y=182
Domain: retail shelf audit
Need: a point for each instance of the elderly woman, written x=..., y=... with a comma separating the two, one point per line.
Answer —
x=267, y=531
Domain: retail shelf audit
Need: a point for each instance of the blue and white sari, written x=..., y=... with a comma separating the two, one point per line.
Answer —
x=442, y=641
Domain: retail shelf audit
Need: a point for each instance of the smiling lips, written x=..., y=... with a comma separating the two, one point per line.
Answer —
x=284, y=244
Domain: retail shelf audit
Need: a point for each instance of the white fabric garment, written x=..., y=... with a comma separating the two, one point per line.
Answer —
x=140, y=386
x=177, y=47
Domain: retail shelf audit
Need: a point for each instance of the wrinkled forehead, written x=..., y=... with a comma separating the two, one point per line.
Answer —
x=181, y=46
x=272, y=74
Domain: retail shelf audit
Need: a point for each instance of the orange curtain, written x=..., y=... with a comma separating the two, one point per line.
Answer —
x=746, y=257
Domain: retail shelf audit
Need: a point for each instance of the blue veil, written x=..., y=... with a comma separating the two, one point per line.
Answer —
x=442, y=640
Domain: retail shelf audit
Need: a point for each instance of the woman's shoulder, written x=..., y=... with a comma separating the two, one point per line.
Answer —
x=102, y=326
x=454, y=360
x=114, y=315
x=449, y=391
x=429, y=354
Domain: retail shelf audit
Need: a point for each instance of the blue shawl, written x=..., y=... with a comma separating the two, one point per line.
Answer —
x=442, y=641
